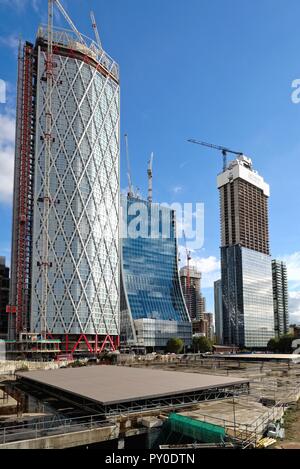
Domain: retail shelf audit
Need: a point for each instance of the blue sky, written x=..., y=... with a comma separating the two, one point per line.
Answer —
x=216, y=70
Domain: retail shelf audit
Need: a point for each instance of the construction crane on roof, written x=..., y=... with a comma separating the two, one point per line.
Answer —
x=68, y=19
x=188, y=277
x=130, y=188
x=96, y=32
x=223, y=150
x=150, y=174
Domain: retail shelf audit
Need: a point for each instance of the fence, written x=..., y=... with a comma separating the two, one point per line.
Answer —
x=55, y=426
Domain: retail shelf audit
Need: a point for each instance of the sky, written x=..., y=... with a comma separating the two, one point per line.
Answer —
x=214, y=70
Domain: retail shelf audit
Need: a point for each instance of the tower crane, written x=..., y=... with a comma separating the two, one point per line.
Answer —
x=130, y=188
x=150, y=174
x=96, y=32
x=223, y=150
x=68, y=19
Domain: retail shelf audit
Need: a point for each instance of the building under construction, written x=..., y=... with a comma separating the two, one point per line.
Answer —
x=65, y=243
x=248, y=314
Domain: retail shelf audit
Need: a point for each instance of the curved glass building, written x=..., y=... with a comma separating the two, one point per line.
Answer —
x=82, y=225
x=152, y=304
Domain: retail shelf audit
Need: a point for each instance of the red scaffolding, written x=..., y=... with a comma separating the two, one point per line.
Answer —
x=25, y=195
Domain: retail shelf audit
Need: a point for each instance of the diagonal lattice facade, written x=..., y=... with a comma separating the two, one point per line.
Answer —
x=83, y=220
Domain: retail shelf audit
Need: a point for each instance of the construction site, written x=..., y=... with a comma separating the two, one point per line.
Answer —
x=214, y=402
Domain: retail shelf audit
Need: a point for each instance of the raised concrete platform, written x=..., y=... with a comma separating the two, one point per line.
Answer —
x=116, y=386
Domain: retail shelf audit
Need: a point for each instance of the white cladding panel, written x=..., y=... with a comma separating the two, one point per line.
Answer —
x=240, y=171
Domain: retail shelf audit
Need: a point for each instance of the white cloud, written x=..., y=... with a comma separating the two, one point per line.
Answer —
x=177, y=189
x=11, y=41
x=20, y=5
x=294, y=307
x=293, y=268
x=7, y=143
x=210, y=269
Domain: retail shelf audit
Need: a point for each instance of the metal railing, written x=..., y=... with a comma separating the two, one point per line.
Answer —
x=56, y=426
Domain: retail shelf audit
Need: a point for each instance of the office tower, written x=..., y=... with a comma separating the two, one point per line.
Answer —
x=65, y=247
x=191, y=287
x=202, y=305
x=280, y=297
x=218, y=311
x=152, y=304
x=4, y=296
x=248, y=316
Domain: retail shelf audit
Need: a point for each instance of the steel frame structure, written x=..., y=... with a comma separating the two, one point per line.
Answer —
x=179, y=400
x=19, y=308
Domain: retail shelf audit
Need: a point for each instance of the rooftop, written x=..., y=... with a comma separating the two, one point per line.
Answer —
x=109, y=385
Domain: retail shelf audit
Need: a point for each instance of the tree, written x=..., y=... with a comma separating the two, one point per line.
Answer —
x=281, y=345
x=175, y=345
x=272, y=345
x=285, y=343
x=202, y=344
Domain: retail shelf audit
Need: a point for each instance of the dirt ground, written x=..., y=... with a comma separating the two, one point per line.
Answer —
x=292, y=429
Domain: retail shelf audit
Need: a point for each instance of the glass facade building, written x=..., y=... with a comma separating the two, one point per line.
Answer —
x=152, y=304
x=248, y=315
x=280, y=297
x=4, y=297
x=218, y=311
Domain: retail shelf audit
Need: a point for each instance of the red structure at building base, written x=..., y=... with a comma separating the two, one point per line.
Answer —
x=93, y=344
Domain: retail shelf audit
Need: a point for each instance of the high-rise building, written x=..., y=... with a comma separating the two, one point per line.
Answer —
x=202, y=305
x=152, y=304
x=65, y=246
x=218, y=311
x=248, y=316
x=209, y=326
x=192, y=292
x=4, y=297
x=280, y=297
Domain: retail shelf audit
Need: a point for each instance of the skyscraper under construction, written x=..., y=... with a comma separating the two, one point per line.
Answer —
x=65, y=244
x=247, y=297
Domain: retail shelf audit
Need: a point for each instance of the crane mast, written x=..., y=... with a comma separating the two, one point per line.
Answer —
x=130, y=188
x=48, y=141
x=96, y=32
x=150, y=175
x=68, y=19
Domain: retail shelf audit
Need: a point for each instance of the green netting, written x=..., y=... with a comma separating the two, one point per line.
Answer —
x=197, y=429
